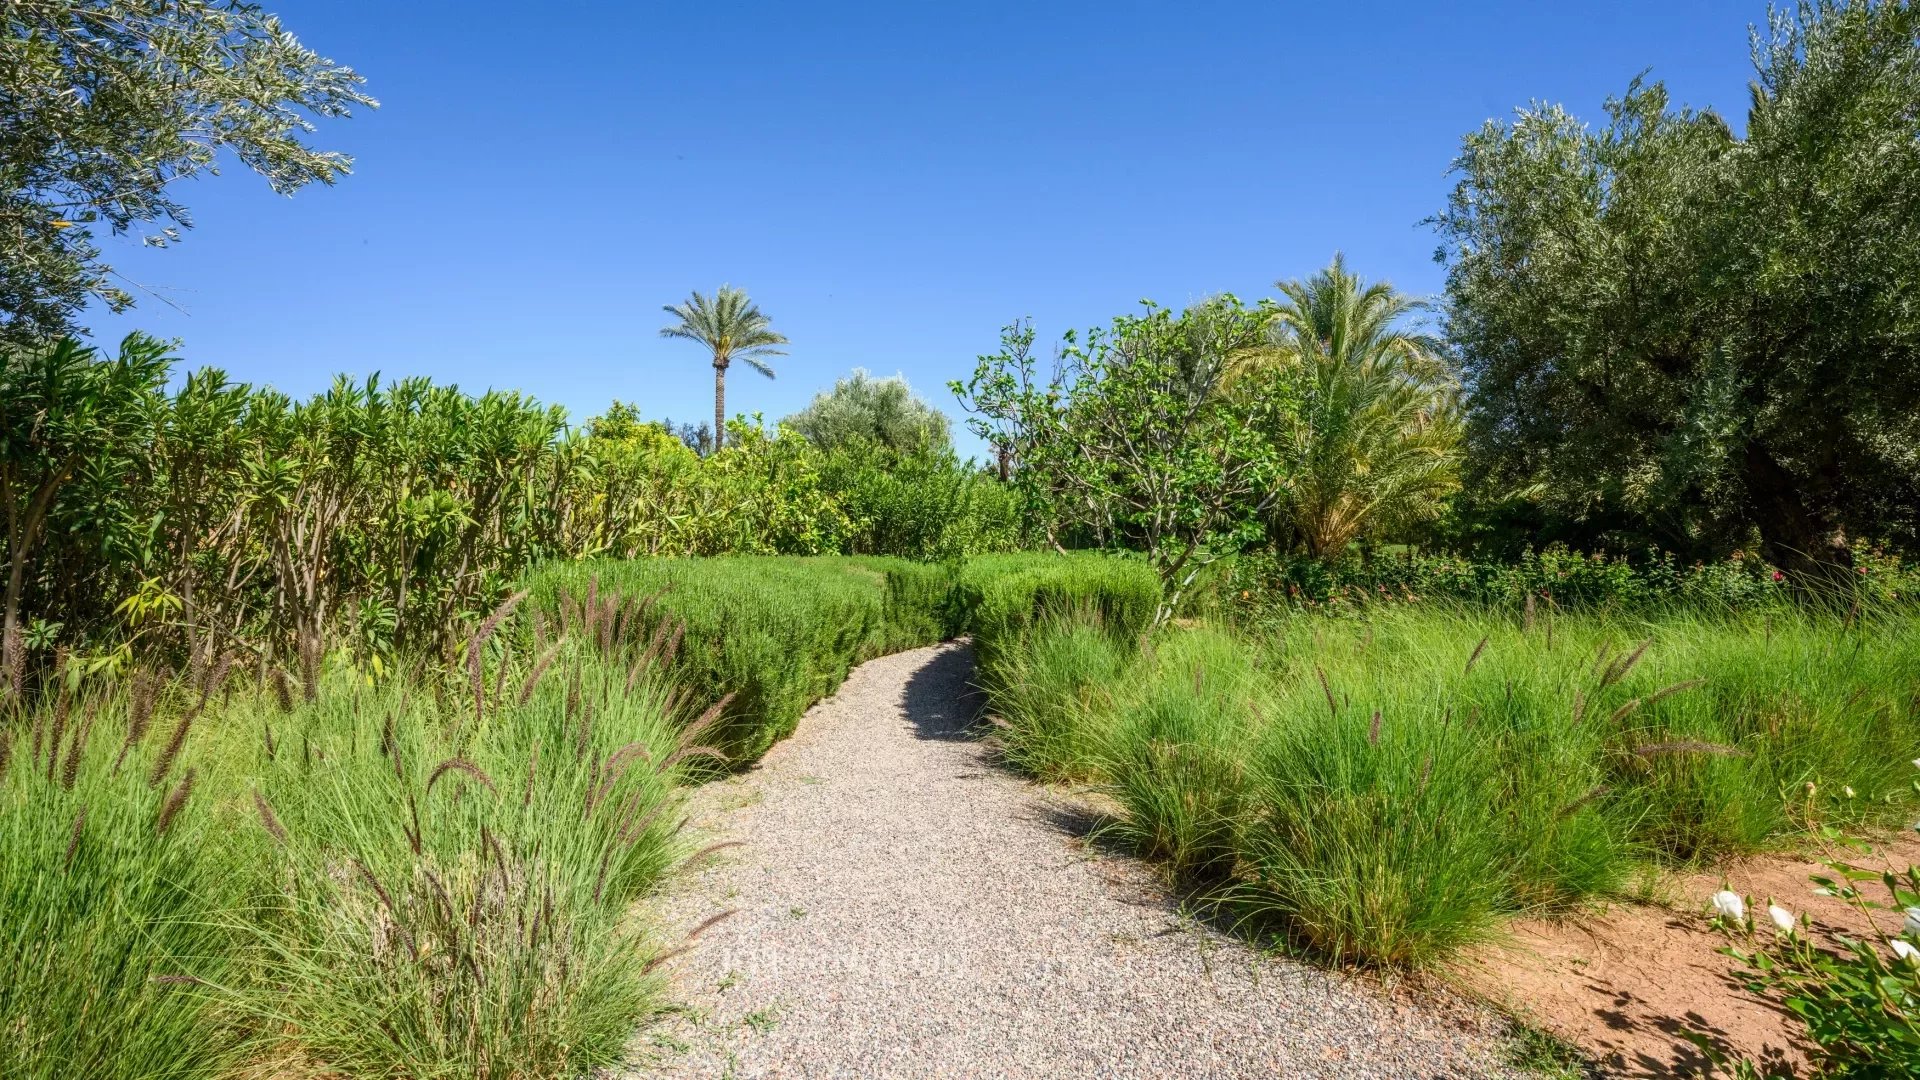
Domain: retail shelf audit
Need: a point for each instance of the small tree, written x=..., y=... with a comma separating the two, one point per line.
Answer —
x=732, y=328
x=1130, y=439
x=1376, y=443
x=883, y=412
x=106, y=105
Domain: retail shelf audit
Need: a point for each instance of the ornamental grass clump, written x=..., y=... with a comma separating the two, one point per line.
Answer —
x=1051, y=704
x=1175, y=762
x=456, y=899
x=113, y=873
x=1385, y=791
x=426, y=874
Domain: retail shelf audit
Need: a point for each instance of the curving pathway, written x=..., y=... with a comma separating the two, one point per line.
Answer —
x=905, y=908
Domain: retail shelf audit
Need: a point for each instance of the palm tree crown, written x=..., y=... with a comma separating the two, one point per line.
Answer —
x=732, y=328
x=1377, y=441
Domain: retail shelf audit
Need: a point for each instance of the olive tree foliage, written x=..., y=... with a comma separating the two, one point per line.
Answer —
x=1673, y=328
x=1129, y=440
x=883, y=412
x=106, y=106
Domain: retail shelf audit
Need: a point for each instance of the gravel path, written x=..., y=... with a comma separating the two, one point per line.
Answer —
x=905, y=908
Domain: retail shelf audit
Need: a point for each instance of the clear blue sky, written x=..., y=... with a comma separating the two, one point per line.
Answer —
x=892, y=183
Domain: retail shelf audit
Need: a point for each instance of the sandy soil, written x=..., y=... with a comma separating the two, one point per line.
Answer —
x=1641, y=986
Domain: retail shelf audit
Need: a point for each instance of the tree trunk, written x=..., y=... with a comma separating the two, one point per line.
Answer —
x=13, y=667
x=22, y=536
x=719, y=404
x=1803, y=541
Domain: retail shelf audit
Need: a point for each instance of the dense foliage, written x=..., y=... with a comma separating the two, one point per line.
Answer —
x=286, y=788
x=769, y=635
x=1855, y=995
x=226, y=519
x=107, y=105
x=1132, y=441
x=861, y=409
x=1258, y=585
x=1374, y=445
x=1308, y=425
x=1679, y=334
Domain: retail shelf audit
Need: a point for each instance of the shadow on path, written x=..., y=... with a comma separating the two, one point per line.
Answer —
x=938, y=697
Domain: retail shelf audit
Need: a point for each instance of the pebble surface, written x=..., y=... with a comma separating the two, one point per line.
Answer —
x=903, y=907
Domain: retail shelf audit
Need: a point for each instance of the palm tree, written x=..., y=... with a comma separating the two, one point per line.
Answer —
x=1377, y=440
x=733, y=329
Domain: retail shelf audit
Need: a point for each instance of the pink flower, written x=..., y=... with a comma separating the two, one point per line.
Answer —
x=1778, y=576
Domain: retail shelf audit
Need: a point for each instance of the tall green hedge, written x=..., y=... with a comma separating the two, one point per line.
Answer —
x=780, y=632
x=776, y=632
x=1001, y=598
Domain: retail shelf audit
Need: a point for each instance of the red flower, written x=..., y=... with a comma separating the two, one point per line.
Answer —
x=1778, y=576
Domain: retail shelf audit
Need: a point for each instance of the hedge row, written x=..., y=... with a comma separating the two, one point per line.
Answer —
x=778, y=633
x=1002, y=598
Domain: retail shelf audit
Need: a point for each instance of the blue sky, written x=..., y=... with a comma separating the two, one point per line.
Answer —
x=892, y=183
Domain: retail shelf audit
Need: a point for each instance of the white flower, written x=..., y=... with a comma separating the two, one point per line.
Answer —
x=1904, y=950
x=1782, y=918
x=1728, y=905
x=1916, y=763
x=1912, y=923
x=1847, y=791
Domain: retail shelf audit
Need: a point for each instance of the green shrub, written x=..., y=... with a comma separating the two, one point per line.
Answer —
x=1000, y=598
x=1859, y=1001
x=774, y=633
x=1260, y=584
x=929, y=507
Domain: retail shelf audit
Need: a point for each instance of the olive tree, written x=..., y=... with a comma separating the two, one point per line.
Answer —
x=107, y=106
x=882, y=412
x=1692, y=335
